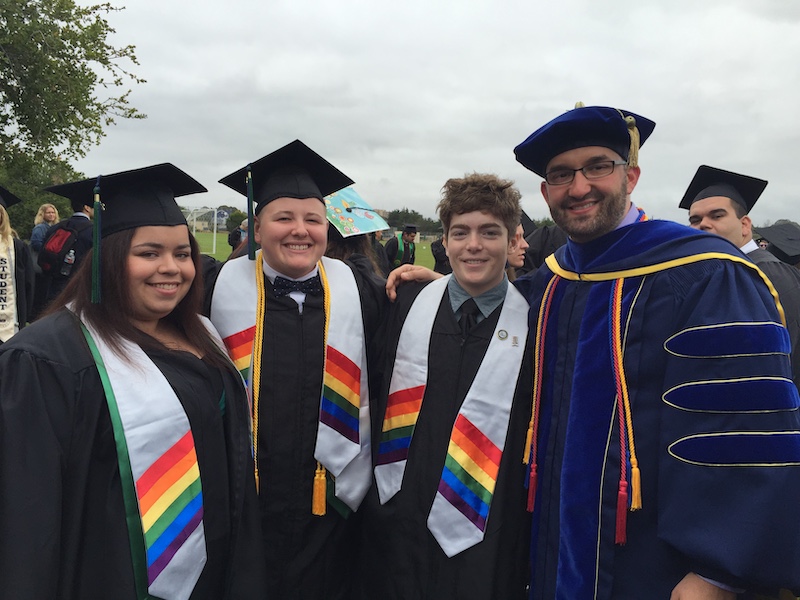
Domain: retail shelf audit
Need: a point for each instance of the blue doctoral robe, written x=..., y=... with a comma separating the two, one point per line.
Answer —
x=714, y=415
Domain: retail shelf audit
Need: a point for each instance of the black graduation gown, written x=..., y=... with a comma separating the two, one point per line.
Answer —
x=400, y=559
x=786, y=280
x=307, y=556
x=62, y=518
x=709, y=506
x=391, y=249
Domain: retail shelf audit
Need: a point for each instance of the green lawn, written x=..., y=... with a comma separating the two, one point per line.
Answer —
x=206, y=240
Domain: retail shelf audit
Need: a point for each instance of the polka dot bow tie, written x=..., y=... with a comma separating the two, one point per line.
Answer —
x=283, y=286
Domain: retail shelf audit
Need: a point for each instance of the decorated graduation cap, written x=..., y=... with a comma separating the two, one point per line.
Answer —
x=622, y=131
x=784, y=241
x=130, y=199
x=350, y=214
x=7, y=199
x=710, y=182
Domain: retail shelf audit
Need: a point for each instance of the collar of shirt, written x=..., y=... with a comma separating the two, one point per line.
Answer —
x=630, y=217
x=298, y=297
x=749, y=247
x=81, y=214
x=487, y=302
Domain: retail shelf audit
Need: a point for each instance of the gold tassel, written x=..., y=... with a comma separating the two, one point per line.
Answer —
x=258, y=486
x=528, y=441
x=318, y=499
x=636, y=484
x=633, y=131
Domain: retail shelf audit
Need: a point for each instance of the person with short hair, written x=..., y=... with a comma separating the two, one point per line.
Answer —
x=447, y=516
x=299, y=326
x=665, y=429
x=720, y=202
x=125, y=469
x=400, y=249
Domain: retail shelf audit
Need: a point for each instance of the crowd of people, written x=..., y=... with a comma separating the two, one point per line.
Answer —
x=609, y=413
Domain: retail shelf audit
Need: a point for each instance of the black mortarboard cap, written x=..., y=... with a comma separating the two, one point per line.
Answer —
x=409, y=228
x=710, y=182
x=294, y=171
x=135, y=198
x=528, y=226
x=784, y=241
x=8, y=199
x=622, y=131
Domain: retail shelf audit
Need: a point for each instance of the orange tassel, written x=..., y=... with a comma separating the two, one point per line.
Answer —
x=258, y=486
x=318, y=499
x=636, y=484
x=622, y=513
x=528, y=441
x=532, y=481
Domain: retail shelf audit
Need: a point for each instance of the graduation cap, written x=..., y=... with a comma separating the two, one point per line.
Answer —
x=134, y=198
x=130, y=199
x=622, y=131
x=528, y=226
x=784, y=241
x=409, y=228
x=710, y=182
x=350, y=214
x=294, y=171
x=7, y=199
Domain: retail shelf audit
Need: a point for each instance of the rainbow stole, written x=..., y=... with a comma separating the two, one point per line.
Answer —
x=343, y=436
x=460, y=510
x=155, y=448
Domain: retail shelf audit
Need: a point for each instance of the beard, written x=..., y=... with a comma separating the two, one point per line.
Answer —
x=611, y=209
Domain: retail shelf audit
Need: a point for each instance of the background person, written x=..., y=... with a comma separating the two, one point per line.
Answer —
x=400, y=249
x=124, y=460
x=16, y=274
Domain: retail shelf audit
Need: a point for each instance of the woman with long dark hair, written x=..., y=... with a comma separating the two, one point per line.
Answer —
x=125, y=469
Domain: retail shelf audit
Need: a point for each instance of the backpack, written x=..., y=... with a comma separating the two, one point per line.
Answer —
x=60, y=240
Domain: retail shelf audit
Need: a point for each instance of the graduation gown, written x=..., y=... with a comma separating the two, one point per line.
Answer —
x=307, y=556
x=786, y=279
x=24, y=281
x=714, y=412
x=400, y=559
x=63, y=531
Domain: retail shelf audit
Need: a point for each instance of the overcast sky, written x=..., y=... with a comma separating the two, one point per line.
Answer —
x=402, y=96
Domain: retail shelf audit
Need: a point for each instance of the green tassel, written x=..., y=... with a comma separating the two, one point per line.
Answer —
x=98, y=211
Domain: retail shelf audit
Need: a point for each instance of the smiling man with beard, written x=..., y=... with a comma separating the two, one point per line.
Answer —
x=665, y=434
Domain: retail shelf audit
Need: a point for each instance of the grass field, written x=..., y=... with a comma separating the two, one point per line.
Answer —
x=206, y=241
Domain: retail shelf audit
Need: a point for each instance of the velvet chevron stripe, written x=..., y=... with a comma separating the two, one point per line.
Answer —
x=341, y=390
x=402, y=412
x=470, y=471
x=170, y=503
x=240, y=350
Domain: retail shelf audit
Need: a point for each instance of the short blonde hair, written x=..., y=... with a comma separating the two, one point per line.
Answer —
x=39, y=218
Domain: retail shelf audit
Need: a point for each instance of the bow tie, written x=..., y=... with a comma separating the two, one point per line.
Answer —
x=283, y=286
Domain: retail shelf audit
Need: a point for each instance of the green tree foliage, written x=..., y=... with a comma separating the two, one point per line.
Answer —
x=398, y=218
x=25, y=176
x=61, y=82
x=234, y=219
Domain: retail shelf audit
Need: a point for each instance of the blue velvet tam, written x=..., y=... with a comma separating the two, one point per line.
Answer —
x=622, y=131
x=710, y=182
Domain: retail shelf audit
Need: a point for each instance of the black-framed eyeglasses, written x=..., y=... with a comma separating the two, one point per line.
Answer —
x=598, y=170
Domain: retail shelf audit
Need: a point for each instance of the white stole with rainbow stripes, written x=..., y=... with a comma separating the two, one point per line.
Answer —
x=460, y=509
x=343, y=436
x=164, y=465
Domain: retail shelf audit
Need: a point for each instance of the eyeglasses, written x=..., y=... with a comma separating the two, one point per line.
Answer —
x=596, y=170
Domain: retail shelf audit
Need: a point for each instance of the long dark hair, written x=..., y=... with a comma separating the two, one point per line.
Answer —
x=111, y=317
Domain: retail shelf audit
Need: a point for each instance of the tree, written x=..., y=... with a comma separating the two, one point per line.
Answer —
x=398, y=218
x=60, y=79
x=234, y=219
